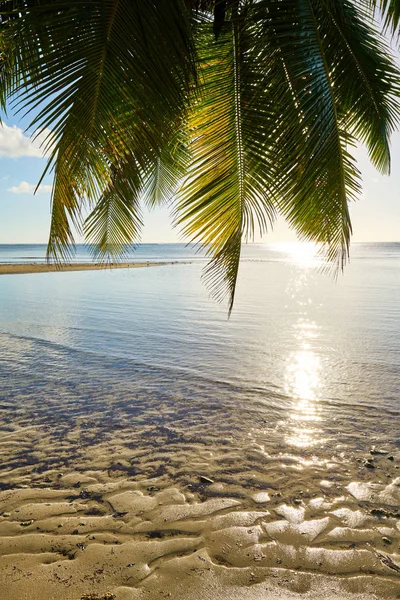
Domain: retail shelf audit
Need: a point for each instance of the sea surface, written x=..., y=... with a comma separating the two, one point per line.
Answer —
x=296, y=336
x=297, y=339
x=299, y=342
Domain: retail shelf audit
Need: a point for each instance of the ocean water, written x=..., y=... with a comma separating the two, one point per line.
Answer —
x=298, y=341
x=296, y=334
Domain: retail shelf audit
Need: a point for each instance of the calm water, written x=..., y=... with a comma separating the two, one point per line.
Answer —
x=313, y=350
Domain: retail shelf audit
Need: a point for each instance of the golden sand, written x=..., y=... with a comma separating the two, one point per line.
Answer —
x=128, y=483
x=95, y=532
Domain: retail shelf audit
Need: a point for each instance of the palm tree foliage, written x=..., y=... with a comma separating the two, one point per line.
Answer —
x=234, y=110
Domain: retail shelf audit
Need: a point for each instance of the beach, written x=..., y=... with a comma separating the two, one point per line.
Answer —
x=152, y=449
x=146, y=502
x=226, y=427
x=25, y=268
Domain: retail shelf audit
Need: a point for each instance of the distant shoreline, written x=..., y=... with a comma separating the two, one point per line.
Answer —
x=25, y=268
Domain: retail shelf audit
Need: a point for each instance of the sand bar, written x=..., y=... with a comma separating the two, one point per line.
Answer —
x=23, y=268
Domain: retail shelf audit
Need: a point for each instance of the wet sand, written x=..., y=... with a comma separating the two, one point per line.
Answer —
x=94, y=531
x=20, y=269
x=113, y=489
x=153, y=540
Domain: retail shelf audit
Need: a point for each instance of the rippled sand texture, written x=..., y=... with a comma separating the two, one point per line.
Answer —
x=125, y=480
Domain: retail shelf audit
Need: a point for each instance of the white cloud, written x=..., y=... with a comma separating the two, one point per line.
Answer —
x=29, y=188
x=14, y=144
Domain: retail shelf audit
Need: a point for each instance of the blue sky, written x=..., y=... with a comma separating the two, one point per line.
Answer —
x=25, y=218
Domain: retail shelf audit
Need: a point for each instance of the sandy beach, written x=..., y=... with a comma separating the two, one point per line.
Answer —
x=93, y=533
x=122, y=497
x=20, y=269
x=130, y=541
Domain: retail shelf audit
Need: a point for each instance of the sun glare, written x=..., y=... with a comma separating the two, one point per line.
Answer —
x=303, y=382
x=304, y=254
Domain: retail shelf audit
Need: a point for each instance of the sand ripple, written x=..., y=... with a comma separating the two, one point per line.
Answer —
x=114, y=485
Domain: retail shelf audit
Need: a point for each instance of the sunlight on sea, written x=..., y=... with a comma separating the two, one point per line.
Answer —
x=303, y=376
x=295, y=335
x=304, y=254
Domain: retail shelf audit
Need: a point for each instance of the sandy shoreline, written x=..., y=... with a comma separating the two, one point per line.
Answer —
x=23, y=268
x=120, y=540
x=114, y=491
x=126, y=481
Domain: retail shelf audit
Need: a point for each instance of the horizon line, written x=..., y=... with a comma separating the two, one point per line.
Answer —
x=260, y=243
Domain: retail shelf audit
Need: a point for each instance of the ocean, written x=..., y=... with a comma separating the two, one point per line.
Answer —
x=140, y=374
x=295, y=332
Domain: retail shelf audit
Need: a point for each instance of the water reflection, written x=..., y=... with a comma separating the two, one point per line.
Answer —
x=303, y=384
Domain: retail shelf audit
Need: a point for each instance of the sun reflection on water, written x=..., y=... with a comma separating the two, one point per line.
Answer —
x=302, y=254
x=303, y=384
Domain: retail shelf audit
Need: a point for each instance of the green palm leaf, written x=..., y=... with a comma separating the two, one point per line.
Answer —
x=317, y=175
x=111, y=87
x=364, y=78
x=390, y=10
x=225, y=193
x=115, y=222
x=165, y=175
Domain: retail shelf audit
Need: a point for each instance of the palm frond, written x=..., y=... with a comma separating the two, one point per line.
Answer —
x=115, y=222
x=365, y=80
x=224, y=194
x=65, y=215
x=7, y=72
x=317, y=175
x=106, y=84
x=164, y=177
x=390, y=10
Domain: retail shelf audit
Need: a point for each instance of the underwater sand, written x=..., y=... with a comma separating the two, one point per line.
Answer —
x=116, y=489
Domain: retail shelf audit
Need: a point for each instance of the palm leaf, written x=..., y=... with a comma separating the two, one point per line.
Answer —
x=165, y=175
x=108, y=86
x=364, y=77
x=317, y=173
x=224, y=194
x=390, y=10
x=115, y=222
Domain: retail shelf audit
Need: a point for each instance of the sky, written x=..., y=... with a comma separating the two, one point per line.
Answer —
x=25, y=217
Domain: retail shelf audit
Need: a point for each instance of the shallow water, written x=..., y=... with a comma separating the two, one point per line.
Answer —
x=137, y=376
x=294, y=333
